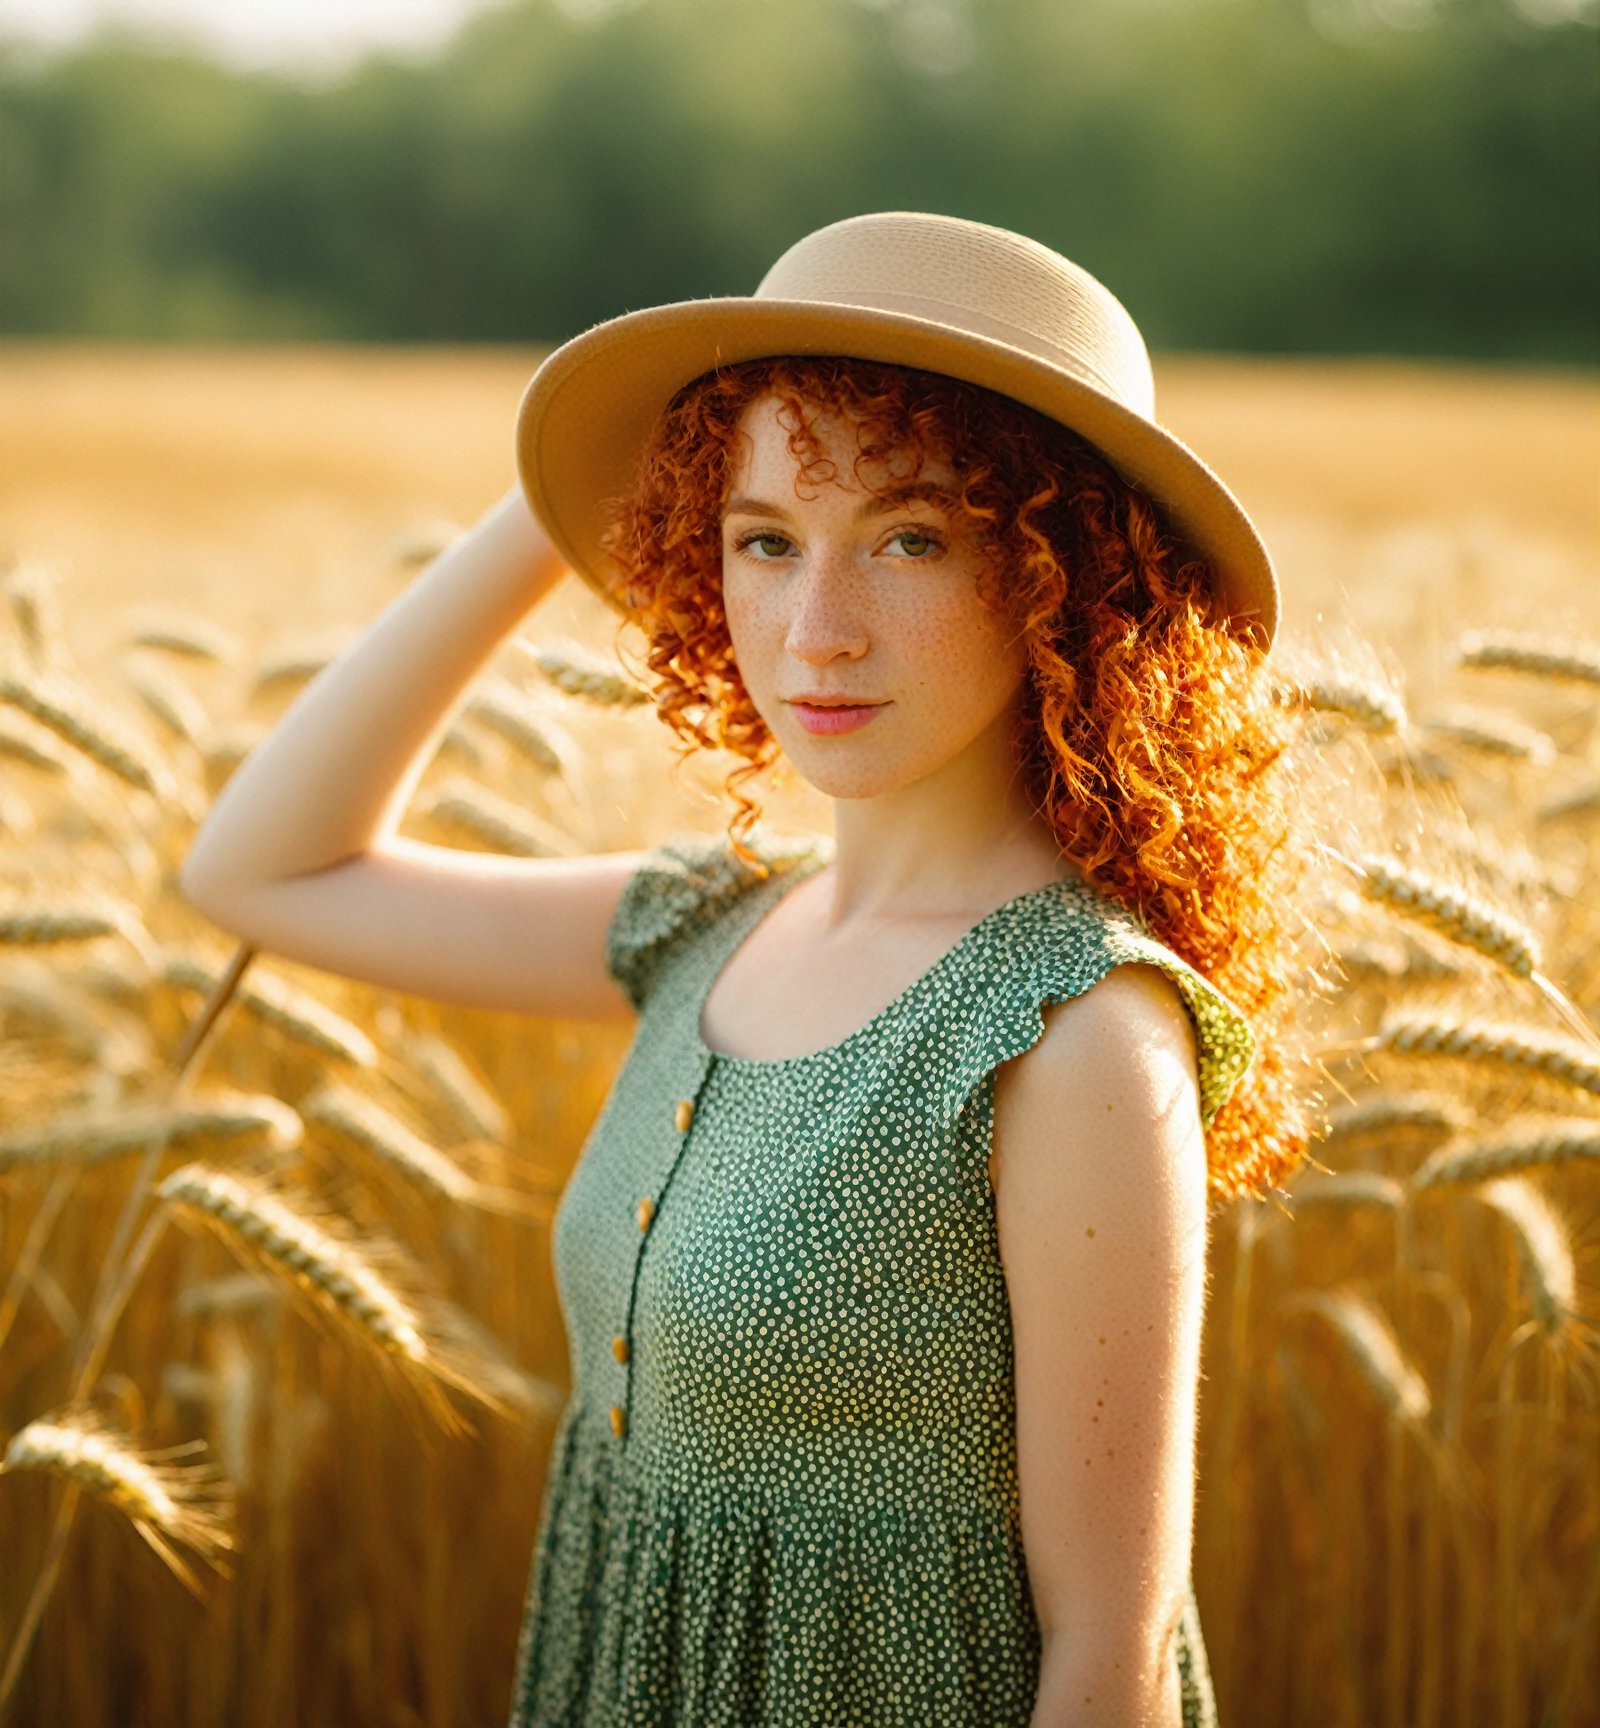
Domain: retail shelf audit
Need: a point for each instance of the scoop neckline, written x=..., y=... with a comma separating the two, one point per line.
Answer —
x=791, y=880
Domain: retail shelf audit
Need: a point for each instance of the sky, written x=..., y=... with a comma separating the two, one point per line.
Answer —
x=307, y=35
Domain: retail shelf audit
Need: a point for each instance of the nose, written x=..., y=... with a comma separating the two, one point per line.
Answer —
x=827, y=618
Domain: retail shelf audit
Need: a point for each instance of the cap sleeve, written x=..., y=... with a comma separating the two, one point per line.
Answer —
x=1224, y=1041
x=1056, y=958
x=683, y=886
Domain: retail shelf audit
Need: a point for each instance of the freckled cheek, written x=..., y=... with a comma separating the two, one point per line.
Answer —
x=962, y=658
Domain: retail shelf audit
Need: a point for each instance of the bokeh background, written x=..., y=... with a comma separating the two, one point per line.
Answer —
x=272, y=279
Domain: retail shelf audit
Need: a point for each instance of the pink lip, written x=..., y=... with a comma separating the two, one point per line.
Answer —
x=836, y=719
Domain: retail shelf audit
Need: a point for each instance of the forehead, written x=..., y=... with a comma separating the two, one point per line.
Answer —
x=762, y=450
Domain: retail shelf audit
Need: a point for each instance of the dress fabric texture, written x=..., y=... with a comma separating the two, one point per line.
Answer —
x=783, y=1492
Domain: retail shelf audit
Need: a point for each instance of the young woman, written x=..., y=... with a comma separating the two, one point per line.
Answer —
x=883, y=1269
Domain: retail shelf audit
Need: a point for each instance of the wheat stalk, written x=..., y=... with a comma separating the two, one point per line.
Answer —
x=1538, y=656
x=167, y=1504
x=1471, y=921
x=1392, y=1117
x=324, y=1260
x=1466, y=918
x=91, y=1137
x=39, y=927
x=1565, y=1140
x=423, y=543
x=110, y=1044
x=1583, y=801
x=459, y=743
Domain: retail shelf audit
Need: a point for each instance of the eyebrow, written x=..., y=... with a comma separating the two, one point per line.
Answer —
x=875, y=505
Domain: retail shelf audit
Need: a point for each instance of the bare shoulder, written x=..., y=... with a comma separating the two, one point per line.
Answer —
x=1108, y=1093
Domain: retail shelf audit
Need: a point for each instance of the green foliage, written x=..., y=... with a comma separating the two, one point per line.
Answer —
x=1400, y=176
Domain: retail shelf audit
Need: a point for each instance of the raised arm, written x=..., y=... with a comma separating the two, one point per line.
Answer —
x=299, y=856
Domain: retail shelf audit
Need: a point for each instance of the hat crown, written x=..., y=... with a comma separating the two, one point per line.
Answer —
x=973, y=277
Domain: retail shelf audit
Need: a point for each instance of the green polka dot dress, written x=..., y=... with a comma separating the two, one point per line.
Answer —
x=784, y=1491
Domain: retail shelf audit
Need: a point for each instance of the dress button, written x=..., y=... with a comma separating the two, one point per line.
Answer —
x=647, y=1211
x=684, y=1115
x=619, y=1420
x=619, y=1348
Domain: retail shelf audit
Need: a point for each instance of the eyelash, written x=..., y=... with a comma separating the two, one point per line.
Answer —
x=915, y=529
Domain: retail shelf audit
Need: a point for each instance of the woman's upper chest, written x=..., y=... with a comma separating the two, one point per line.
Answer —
x=788, y=994
x=790, y=990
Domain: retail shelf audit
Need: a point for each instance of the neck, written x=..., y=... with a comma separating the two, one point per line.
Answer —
x=961, y=840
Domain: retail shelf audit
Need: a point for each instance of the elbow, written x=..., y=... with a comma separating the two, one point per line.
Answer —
x=206, y=889
x=1123, y=1679
x=1077, y=1687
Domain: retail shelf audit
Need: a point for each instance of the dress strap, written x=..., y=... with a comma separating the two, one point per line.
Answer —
x=684, y=886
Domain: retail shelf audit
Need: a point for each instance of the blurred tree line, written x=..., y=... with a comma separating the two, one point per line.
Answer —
x=1389, y=176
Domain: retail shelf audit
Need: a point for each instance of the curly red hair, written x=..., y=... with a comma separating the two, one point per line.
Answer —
x=1149, y=736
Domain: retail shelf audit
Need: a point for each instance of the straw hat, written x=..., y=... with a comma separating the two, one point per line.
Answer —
x=931, y=292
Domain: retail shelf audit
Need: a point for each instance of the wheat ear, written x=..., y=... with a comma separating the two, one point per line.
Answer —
x=507, y=712
x=34, y=596
x=453, y=1080
x=1544, y=1248
x=1565, y=1140
x=39, y=751
x=185, y=1505
x=364, y=1284
x=291, y=1011
x=389, y=1139
x=90, y=1137
x=1521, y=1049
x=578, y=674
x=1369, y=703
x=1471, y=921
x=1376, y=1352
x=174, y=705
x=76, y=721
x=1538, y=656
x=1491, y=734
x=1390, y=1118
x=459, y=803
x=1352, y=1188
x=189, y=638
x=299, y=666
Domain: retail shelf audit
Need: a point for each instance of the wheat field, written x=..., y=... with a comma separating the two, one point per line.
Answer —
x=280, y=1355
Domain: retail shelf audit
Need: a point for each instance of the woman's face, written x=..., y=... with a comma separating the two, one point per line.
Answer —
x=834, y=591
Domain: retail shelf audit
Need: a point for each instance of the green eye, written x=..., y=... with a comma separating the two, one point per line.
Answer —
x=914, y=545
x=771, y=545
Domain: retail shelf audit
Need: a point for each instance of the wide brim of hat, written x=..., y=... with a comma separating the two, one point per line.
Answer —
x=590, y=406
